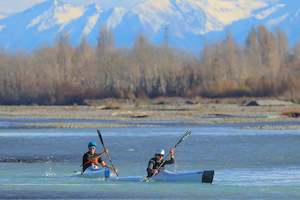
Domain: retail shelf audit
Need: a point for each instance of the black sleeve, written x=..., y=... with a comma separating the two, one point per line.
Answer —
x=84, y=161
x=169, y=162
x=100, y=160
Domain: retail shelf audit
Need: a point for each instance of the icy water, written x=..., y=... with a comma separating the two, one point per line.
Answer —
x=248, y=164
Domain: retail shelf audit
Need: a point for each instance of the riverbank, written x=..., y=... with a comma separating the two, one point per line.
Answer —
x=119, y=113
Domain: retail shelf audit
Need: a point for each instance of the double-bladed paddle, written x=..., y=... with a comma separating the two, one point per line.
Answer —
x=182, y=139
x=108, y=156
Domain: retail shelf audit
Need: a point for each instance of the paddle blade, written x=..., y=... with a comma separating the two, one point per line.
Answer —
x=100, y=137
x=183, y=138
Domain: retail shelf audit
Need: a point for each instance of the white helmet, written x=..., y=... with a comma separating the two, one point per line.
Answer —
x=160, y=152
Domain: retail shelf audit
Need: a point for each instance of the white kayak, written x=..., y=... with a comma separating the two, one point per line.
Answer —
x=185, y=176
x=170, y=176
x=205, y=176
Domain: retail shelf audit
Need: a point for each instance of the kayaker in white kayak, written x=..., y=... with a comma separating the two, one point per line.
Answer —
x=91, y=158
x=157, y=163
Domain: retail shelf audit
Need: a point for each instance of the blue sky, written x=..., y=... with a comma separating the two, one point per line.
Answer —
x=11, y=6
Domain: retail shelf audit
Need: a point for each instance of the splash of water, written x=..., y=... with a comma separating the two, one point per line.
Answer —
x=50, y=173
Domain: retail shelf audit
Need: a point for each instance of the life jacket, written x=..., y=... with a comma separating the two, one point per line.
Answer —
x=156, y=163
x=92, y=159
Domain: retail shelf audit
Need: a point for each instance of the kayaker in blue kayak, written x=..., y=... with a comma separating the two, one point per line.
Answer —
x=91, y=158
x=157, y=163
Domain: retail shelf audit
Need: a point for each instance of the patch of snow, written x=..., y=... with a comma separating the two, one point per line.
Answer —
x=38, y=20
x=179, y=16
x=57, y=15
x=195, y=16
x=153, y=14
x=116, y=18
x=269, y=11
x=278, y=20
x=67, y=13
x=160, y=5
x=229, y=11
x=91, y=22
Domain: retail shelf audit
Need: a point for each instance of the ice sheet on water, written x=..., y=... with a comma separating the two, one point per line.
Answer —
x=259, y=177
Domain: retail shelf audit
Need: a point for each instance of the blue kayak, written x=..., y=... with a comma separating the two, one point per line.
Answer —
x=93, y=172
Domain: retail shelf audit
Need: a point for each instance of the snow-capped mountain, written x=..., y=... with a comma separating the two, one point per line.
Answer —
x=282, y=14
x=188, y=22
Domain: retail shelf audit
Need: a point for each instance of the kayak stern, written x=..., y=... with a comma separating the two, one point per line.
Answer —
x=208, y=176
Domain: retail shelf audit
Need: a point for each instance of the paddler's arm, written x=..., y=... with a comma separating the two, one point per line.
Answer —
x=84, y=161
x=171, y=158
x=105, y=151
x=101, y=162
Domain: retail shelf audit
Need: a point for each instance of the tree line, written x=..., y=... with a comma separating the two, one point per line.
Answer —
x=264, y=66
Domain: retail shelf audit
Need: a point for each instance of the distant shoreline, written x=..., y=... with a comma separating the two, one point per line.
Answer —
x=116, y=113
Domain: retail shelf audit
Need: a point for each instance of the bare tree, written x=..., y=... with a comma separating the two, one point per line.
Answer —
x=63, y=74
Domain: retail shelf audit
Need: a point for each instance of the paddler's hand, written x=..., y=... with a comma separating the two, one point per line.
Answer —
x=172, y=152
x=155, y=172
